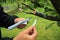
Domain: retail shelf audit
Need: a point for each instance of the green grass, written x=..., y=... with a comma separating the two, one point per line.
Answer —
x=47, y=30
x=51, y=33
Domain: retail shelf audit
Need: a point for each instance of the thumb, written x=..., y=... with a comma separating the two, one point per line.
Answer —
x=34, y=33
x=29, y=29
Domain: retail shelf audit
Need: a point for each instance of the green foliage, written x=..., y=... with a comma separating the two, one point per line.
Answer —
x=53, y=32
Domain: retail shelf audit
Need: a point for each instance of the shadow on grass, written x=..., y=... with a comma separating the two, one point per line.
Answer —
x=58, y=23
x=7, y=38
x=48, y=26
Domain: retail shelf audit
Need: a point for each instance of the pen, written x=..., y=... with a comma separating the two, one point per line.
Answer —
x=17, y=24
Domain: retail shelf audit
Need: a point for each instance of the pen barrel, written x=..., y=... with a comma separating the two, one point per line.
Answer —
x=17, y=24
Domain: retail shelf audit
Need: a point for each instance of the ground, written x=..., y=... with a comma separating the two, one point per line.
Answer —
x=47, y=29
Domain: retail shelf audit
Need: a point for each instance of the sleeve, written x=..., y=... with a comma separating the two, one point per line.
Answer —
x=6, y=20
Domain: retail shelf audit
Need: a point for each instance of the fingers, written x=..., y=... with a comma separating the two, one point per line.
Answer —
x=34, y=33
x=21, y=26
x=29, y=29
x=25, y=33
x=18, y=19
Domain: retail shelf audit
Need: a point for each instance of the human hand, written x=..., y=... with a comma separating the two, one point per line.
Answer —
x=18, y=20
x=28, y=34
